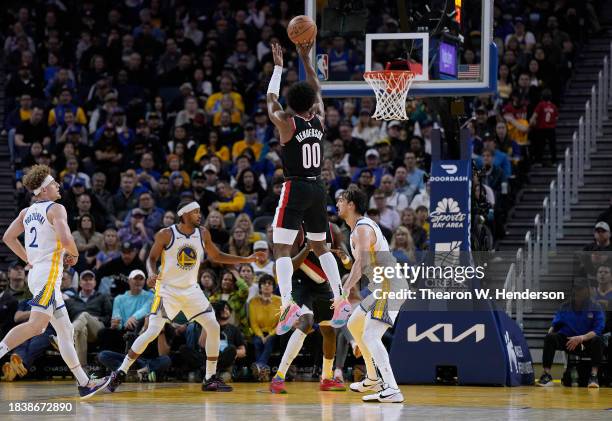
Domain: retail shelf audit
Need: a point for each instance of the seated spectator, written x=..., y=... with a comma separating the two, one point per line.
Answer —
x=68, y=284
x=215, y=224
x=270, y=201
x=110, y=248
x=87, y=239
x=500, y=159
x=603, y=291
x=393, y=199
x=515, y=114
x=492, y=175
x=373, y=165
x=414, y=174
x=244, y=222
x=174, y=169
x=208, y=282
x=168, y=219
x=188, y=114
x=247, y=273
x=507, y=144
x=264, y=264
x=152, y=214
x=422, y=218
x=227, y=105
x=129, y=311
x=17, y=285
x=365, y=182
x=409, y=220
x=90, y=312
x=423, y=159
x=147, y=175
x=213, y=104
x=374, y=214
x=248, y=183
x=386, y=153
x=213, y=147
x=230, y=199
x=109, y=154
x=23, y=357
x=402, y=245
x=597, y=253
x=33, y=130
x=117, y=269
x=135, y=230
x=125, y=199
x=250, y=141
x=389, y=217
x=263, y=322
x=164, y=197
x=234, y=291
x=577, y=328
x=366, y=128
x=233, y=346
x=402, y=184
x=64, y=103
x=71, y=175
x=20, y=114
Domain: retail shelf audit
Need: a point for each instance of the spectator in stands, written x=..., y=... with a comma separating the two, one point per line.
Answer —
x=244, y=222
x=235, y=291
x=32, y=130
x=25, y=355
x=393, y=198
x=71, y=175
x=109, y=154
x=500, y=159
x=402, y=245
x=164, y=197
x=134, y=229
x=20, y=114
x=213, y=104
x=208, y=282
x=373, y=166
x=606, y=216
x=230, y=199
x=120, y=267
x=422, y=198
x=263, y=324
x=110, y=248
x=402, y=185
x=17, y=281
x=125, y=199
x=129, y=311
x=408, y=220
x=374, y=214
x=366, y=128
x=250, y=142
x=152, y=214
x=544, y=122
x=516, y=113
x=577, y=328
x=89, y=311
x=264, y=264
x=87, y=239
x=423, y=159
x=525, y=38
x=64, y=103
x=598, y=252
x=355, y=146
x=492, y=176
x=603, y=291
x=414, y=175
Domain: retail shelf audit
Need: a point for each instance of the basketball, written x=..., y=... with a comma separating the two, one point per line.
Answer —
x=302, y=29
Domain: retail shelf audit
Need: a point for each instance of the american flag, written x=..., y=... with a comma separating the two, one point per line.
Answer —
x=468, y=71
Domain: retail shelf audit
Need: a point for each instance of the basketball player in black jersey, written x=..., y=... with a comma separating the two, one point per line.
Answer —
x=303, y=197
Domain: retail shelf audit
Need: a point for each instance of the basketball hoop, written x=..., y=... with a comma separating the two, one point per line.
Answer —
x=391, y=89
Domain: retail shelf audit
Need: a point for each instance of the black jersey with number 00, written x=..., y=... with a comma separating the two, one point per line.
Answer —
x=303, y=154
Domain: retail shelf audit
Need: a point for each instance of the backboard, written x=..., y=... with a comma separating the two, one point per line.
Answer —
x=448, y=44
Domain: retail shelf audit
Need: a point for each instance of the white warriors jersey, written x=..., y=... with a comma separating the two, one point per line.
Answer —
x=381, y=242
x=181, y=259
x=42, y=244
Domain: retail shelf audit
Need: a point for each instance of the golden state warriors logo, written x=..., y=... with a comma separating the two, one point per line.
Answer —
x=186, y=257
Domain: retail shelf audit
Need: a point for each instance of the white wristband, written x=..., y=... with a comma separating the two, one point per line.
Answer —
x=275, y=81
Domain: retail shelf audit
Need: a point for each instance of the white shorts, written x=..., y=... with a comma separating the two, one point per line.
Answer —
x=168, y=302
x=44, y=281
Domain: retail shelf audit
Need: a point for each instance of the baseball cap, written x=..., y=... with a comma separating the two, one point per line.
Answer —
x=138, y=211
x=601, y=225
x=186, y=85
x=210, y=167
x=249, y=126
x=394, y=123
x=259, y=111
x=73, y=130
x=86, y=273
x=135, y=273
x=383, y=142
x=198, y=175
x=127, y=246
x=488, y=136
x=45, y=153
x=372, y=152
x=16, y=263
x=111, y=96
x=260, y=245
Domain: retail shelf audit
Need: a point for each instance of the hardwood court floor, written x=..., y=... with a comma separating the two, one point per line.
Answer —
x=251, y=402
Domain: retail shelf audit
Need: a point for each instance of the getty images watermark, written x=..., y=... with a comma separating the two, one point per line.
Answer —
x=453, y=277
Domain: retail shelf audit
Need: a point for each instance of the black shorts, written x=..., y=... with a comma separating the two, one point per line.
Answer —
x=302, y=201
x=317, y=297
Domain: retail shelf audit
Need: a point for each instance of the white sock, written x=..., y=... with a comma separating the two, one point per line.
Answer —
x=327, y=371
x=330, y=267
x=126, y=364
x=211, y=368
x=284, y=272
x=293, y=349
x=373, y=336
x=4, y=349
x=80, y=375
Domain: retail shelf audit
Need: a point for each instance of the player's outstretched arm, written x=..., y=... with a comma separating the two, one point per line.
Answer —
x=275, y=109
x=311, y=76
x=59, y=219
x=11, y=236
x=219, y=257
x=162, y=239
x=362, y=238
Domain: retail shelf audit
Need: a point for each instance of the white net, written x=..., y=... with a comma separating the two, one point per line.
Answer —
x=391, y=89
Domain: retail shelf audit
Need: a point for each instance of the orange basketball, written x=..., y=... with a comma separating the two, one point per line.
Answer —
x=302, y=30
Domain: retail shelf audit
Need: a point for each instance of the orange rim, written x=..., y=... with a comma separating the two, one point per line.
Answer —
x=396, y=80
